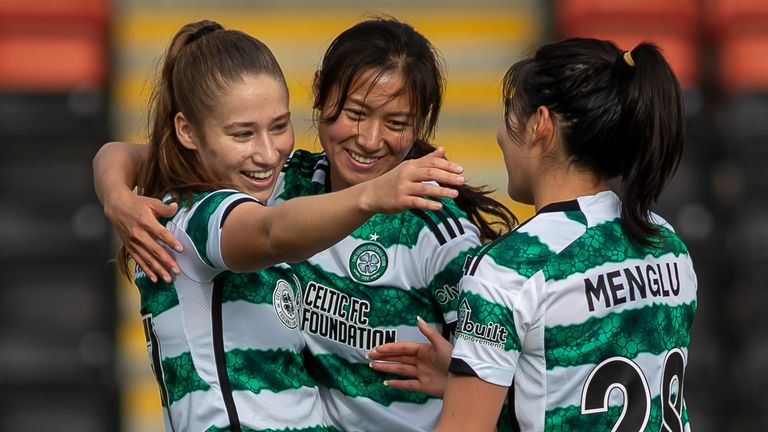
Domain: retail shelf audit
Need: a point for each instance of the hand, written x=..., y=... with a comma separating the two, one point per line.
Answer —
x=135, y=219
x=427, y=363
x=403, y=187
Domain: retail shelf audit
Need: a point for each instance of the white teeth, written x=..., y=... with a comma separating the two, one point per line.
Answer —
x=361, y=159
x=259, y=175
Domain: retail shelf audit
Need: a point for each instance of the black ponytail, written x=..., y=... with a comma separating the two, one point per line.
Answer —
x=620, y=115
x=655, y=127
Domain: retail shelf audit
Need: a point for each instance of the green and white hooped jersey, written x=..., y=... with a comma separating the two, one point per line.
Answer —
x=367, y=290
x=590, y=330
x=226, y=348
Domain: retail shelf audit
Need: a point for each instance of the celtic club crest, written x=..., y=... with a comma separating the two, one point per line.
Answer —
x=286, y=306
x=368, y=262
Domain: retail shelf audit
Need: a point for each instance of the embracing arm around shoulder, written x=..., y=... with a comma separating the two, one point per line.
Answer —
x=254, y=236
x=115, y=170
x=470, y=404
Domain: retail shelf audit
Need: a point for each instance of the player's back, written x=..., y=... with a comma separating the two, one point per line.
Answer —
x=600, y=326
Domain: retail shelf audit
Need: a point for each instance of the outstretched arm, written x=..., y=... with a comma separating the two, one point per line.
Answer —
x=115, y=169
x=427, y=363
x=254, y=236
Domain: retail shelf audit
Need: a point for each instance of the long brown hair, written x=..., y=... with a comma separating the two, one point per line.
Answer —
x=382, y=45
x=202, y=60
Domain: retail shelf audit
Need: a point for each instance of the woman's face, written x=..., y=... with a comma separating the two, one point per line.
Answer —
x=249, y=136
x=374, y=131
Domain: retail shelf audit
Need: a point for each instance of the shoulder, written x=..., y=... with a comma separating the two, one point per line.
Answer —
x=442, y=226
x=532, y=246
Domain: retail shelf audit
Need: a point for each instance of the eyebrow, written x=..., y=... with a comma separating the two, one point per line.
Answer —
x=237, y=125
x=368, y=107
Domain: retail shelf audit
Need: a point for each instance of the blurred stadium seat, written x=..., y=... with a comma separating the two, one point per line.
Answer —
x=740, y=33
x=57, y=297
x=673, y=25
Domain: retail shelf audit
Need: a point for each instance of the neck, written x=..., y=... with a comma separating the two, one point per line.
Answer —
x=566, y=184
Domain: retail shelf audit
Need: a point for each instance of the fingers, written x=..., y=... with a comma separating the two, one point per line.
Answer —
x=433, y=336
x=401, y=369
x=413, y=385
x=144, y=265
x=163, y=235
x=436, y=160
x=164, y=210
x=153, y=259
x=394, y=348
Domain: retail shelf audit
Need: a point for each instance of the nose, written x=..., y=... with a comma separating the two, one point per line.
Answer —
x=265, y=152
x=370, y=135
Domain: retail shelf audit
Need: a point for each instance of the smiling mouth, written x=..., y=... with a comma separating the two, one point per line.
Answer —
x=258, y=175
x=362, y=159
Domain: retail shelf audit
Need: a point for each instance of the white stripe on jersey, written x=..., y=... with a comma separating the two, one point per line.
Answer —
x=367, y=415
x=267, y=410
x=319, y=345
x=248, y=322
x=555, y=239
x=404, y=273
x=168, y=328
x=571, y=307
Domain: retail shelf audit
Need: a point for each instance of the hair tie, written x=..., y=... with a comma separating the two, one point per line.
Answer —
x=629, y=60
x=202, y=31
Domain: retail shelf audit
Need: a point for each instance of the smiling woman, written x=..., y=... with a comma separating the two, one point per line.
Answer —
x=372, y=134
x=248, y=136
x=225, y=345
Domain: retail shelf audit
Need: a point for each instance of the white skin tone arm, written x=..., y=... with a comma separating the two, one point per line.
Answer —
x=115, y=170
x=255, y=236
x=427, y=365
x=468, y=394
x=275, y=237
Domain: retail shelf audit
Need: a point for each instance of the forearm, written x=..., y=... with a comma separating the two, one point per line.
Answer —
x=470, y=404
x=115, y=168
x=294, y=230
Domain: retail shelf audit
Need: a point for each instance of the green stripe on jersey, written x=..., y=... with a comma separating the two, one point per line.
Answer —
x=156, y=298
x=522, y=252
x=448, y=278
x=601, y=244
x=197, y=227
x=576, y=216
x=652, y=329
x=607, y=243
x=391, y=230
x=180, y=377
x=273, y=370
x=255, y=287
x=298, y=173
x=359, y=380
x=393, y=306
x=570, y=419
x=483, y=321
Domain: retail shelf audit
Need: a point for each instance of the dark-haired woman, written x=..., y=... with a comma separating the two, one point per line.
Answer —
x=582, y=315
x=378, y=94
x=225, y=344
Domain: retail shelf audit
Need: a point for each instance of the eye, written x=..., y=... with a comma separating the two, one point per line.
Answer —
x=280, y=128
x=242, y=136
x=398, y=125
x=354, y=113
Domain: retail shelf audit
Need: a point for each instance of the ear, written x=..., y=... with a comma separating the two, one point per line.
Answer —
x=542, y=126
x=316, y=84
x=184, y=131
